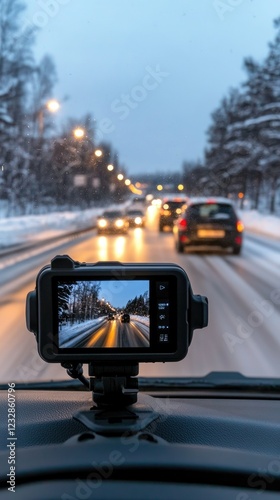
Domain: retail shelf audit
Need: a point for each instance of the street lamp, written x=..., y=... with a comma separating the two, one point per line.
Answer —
x=127, y=182
x=120, y=177
x=52, y=106
x=98, y=152
x=78, y=132
x=110, y=168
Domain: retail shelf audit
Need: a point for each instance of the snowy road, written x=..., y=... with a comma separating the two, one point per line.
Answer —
x=244, y=299
x=110, y=333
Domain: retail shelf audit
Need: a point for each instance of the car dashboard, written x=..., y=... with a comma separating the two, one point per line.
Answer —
x=202, y=444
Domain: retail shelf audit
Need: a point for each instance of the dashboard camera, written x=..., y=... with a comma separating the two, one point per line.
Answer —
x=113, y=316
x=110, y=311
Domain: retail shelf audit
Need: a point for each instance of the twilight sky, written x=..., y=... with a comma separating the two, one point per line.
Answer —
x=150, y=71
x=118, y=293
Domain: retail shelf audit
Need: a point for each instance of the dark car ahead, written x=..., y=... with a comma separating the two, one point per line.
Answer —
x=135, y=217
x=169, y=211
x=125, y=318
x=112, y=221
x=209, y=222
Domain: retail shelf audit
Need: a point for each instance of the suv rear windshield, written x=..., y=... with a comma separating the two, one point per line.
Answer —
x=208, y=211
x=172, y=205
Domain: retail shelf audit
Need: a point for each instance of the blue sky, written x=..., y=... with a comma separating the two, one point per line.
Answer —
x=150, y=71
x=118, y=293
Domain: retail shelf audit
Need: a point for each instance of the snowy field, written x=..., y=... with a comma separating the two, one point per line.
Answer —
x=18, y=230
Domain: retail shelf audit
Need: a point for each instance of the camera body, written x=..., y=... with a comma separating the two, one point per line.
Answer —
x=110, y=312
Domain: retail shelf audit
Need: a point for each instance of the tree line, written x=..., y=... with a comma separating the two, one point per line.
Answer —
x=40, y=168
x=243, y=147
x=139, y=305
x=80, y=301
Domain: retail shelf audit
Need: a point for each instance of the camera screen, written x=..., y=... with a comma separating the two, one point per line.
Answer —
x=103, y=314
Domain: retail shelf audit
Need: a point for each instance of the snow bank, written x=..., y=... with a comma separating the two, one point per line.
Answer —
x=254, y=221
x=26, y=228
x=16, y=230
x=70, y=335
x=145, y=320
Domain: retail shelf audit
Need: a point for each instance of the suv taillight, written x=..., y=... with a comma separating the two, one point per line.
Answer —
x=182, y=223
x=239, y=226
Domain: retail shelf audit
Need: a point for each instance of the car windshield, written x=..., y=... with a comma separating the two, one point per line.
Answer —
x=210, y=211
x=134, y=212
x=112, y=213
x=124, y=106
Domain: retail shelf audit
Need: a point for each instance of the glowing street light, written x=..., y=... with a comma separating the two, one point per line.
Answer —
x=78, y=132
x=110, y=168
x=180, y=187
x=98, y=153
x=53, y=105
x=127, y=182
x=120, y=177
x=159, y=187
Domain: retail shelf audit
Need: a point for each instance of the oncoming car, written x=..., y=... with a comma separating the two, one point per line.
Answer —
x=112, y=221
x=209, y=221
x=136, y=218
x=170, y=210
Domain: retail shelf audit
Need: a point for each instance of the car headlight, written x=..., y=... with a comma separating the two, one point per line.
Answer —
x=119, y=223
x=138, y=220
x=102, y=223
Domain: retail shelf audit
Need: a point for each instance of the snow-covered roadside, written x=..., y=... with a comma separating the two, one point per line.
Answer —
x=255, y=222
x=70, y=335
x=145, y=320
x=17, y=230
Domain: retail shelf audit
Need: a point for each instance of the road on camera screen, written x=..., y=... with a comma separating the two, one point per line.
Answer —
x=108, y=333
